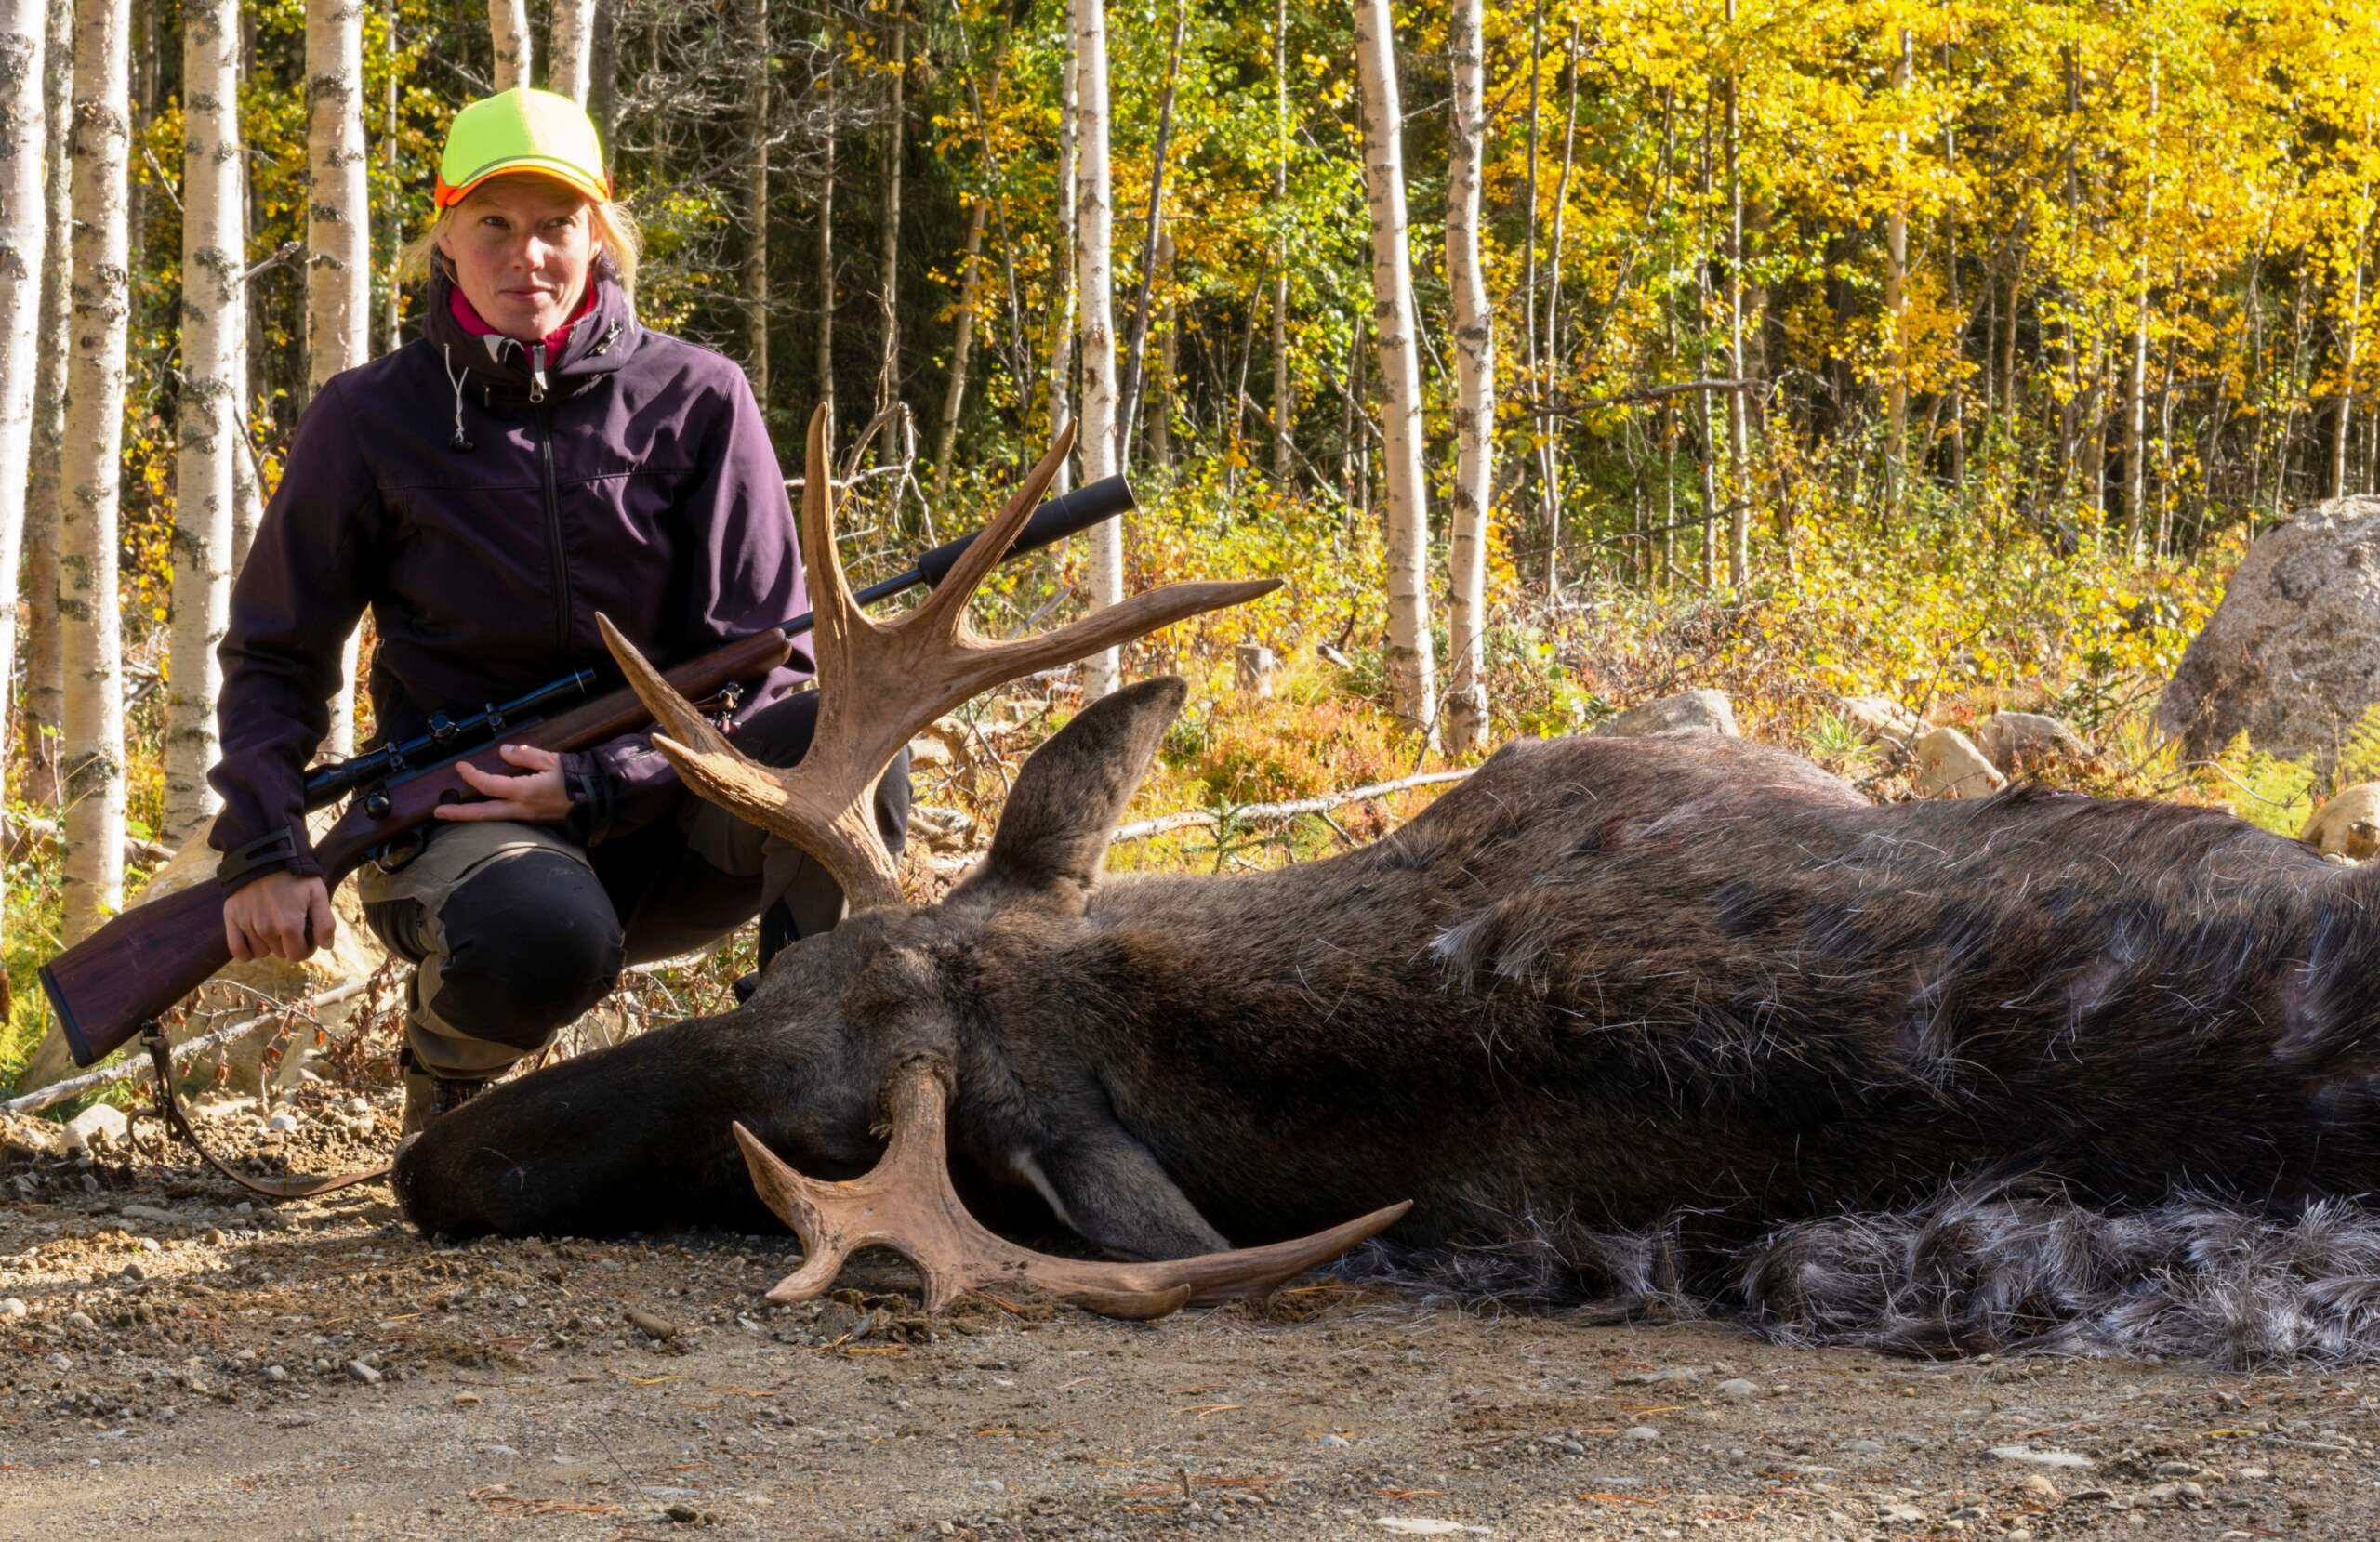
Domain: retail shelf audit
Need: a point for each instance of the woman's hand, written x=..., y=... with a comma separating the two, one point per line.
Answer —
x=280, y=916
x=537, y=797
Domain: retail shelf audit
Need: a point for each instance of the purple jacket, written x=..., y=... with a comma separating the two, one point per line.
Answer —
x=486, y=514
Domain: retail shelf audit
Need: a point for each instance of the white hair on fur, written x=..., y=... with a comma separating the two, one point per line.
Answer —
x=2016, y=1268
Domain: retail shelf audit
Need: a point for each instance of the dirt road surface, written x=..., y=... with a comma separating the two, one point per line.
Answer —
x=173, y=1364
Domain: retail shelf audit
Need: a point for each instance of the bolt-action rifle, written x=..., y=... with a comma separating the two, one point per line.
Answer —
x=108, y=986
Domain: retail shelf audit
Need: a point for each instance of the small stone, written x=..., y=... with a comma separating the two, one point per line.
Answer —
x=1736, y=1389
x=147, y=1245
x=686, y=1515
x=1337, y=1442
x=12, y=1307
x=2255, y=1472
x=2179, y=1469
x=280, y=1123
x=2090, y=1496
x=1689, y=711
x=132, y=1271
x=358, y=1371
x=1640, y=1432
x=81, y=1320
x=2014, y=739
x=1900, y=1515
x=359, y=1105
x=276, y=1373
x=1669, y=1374
x=2041, y=1457
x=652, y=1326
x=1864, y=1448
x=466, y=1400
x=101, y=1123
x=2034, y=1487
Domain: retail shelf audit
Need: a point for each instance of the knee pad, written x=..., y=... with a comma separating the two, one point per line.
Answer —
x=531, y=942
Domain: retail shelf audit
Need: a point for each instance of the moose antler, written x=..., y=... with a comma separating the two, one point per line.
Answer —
x=879, y=682
x=906, y=1202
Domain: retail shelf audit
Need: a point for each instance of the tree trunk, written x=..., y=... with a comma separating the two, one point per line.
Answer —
x=392, y=227
x=103, y=305
x=212, y=320
x=888, y=373
x=1169, y=358
x=1529, y=361
x=24, y=231
x=1062, y=282
x=1950, y=269
x=1136, y=356
x=572, y=39
x=1738, y=441
x=1474, y=413
x=508, y=26
x=2136, y=427
x=1094, y=276
x=2349, y=339
x=1897, y=306
x=43, y=711
x=970, y=288
x=756, y=201
x=1548, y=456
x=603, y=71
x=1284, y=410
x=826, y=298
x=338, y=246
x=1411, y=665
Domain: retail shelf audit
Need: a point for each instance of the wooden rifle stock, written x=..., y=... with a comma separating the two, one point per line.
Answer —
x=136, y=966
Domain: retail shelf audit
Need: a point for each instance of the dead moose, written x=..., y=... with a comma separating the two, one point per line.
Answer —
x=1671, y=1018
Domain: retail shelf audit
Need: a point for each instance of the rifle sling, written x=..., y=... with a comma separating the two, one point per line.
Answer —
x=170, y=1108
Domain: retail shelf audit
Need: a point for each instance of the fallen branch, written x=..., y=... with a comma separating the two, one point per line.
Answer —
x=133, y=1070
x=1163, y=824
x=34, y=830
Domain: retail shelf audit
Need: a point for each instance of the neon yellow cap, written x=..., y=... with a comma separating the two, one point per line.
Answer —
x=522, y=129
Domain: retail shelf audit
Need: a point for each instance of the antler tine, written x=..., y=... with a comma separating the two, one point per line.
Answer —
x=836, y=618
x=906, y=1202
x=948, y=603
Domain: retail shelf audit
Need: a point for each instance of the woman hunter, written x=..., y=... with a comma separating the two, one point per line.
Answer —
x=532, y=457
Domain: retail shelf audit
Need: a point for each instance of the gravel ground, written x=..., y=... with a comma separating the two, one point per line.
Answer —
x=176, y=1364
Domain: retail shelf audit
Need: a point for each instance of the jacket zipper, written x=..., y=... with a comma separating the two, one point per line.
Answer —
x=553, y=533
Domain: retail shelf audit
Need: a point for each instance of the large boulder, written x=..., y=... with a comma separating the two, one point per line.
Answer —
x=2292, y=656
x=1688, y=712
x=1949, y=766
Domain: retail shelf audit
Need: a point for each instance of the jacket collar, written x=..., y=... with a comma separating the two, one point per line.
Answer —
x=598, y=343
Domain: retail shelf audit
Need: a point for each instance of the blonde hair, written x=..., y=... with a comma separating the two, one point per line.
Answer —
x=613, y=226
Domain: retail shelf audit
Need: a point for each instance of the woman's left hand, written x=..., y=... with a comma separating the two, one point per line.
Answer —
x=537, y=796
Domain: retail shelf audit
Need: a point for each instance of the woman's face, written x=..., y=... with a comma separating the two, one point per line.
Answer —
x=521, y=246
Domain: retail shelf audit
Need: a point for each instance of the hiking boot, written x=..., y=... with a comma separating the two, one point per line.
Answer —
x=429, y=1096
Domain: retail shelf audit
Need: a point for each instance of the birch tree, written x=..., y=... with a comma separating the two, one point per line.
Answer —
x=24, y=232
x=339, y=242
x=572, y=41
x=824, y=86
x=888, y=372
x=43, y=711
x=756, y=196
x=102, y=298
x=1284, y=410
x=1095, y=277
x=508, y=26
x=1062, y=329
x=1411, y=665
x=1474, y=413
x=971, y=284
x=212, y=318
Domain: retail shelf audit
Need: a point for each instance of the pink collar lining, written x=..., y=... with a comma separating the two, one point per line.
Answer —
x=473, y=323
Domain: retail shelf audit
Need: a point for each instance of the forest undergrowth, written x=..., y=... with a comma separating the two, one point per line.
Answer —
x=1957, y=611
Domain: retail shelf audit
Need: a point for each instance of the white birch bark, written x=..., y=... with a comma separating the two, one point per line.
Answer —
x=1474, y=411
x=1284, y=409
x=756, y=195
x=1896, y=304
x=508, y=26
x=825, y=201
x=1411, y=663
x=572, y=39
x=101, y=297
x=1739, y=447
x=888, y=368
x=338, y=244
x=1062, y=329
x=1094, y=276
x=24, y=232
x=43, y=711
x=205, y=488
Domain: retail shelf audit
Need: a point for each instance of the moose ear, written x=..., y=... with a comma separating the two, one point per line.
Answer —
x=1053, y=833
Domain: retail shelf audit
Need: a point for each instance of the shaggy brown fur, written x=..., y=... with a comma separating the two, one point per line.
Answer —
x=1685, y=986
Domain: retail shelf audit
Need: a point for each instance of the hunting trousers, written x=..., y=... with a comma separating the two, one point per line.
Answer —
x=515, y=930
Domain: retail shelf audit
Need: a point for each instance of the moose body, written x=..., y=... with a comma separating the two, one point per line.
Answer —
x=1605, y=983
